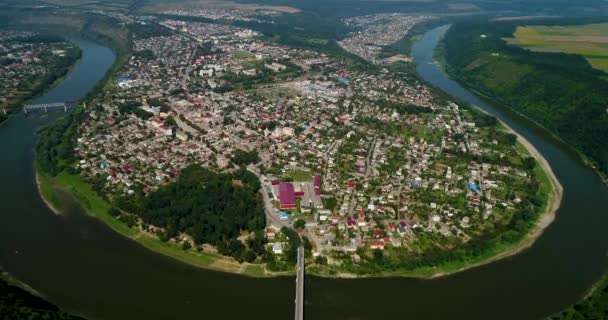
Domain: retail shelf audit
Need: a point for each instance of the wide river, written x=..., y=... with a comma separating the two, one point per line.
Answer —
x=85, y=268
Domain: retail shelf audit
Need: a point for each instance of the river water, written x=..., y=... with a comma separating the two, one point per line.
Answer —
x=84, y=267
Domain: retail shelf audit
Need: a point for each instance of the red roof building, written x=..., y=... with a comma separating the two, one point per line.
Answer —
x=376, y=244
x=287, y=196
x=317, y=185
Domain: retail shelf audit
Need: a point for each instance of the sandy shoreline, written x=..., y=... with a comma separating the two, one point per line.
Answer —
x=46, y=201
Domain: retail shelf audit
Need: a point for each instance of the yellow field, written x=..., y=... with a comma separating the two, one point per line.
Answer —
x=590, y=41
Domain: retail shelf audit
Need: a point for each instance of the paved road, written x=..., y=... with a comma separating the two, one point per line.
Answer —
x=300, y=285
x=272, y=215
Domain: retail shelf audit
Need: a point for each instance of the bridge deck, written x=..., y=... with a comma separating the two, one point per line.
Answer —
x=44, y=106
x=300, y=285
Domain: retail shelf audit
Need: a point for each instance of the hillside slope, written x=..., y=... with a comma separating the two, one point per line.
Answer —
x=561, y=92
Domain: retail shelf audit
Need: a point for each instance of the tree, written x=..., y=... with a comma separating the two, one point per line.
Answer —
x=529, y=163
x=322, y=260
x=250, y=256
x=379, y=257
x=113, y=211
x=299, y=224
x=208, y=207
x=241, y=157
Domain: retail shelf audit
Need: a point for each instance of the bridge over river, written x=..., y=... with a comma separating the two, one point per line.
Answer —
x=45, y=106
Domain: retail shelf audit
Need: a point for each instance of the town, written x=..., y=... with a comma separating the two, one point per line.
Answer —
x=363, y=163
x=29, y=63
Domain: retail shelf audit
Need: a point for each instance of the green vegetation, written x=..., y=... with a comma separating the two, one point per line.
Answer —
x=101, y=209
x=16, y=303
x=594, y=306
x=55, y=148
x=561, y=92
x=299, y=175
x=299, y=224
x=586, y=40
x=210, y=208
x=241, y=157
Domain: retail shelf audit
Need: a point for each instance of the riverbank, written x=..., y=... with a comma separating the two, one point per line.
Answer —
x=496, y=100
x=554, y=198
x=45, y=189
x=39, y=90
x=19, y=301
x=97, y=207
x=562, y=94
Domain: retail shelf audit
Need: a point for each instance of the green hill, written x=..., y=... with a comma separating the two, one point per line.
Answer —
x=562, y=92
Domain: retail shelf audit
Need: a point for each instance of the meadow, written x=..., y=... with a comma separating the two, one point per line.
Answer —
x=590, y=41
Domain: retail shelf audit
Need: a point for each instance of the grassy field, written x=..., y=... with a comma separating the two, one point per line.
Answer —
x=300, y=175
x=590, y=41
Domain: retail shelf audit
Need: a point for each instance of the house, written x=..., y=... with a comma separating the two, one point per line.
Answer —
x=206, y=73
x=277, y=248
x=276, y=67
x=166, y=130
x=182, y=136
x=271, y=233
x=249, y=72
x=395, y=242
x=376, y=244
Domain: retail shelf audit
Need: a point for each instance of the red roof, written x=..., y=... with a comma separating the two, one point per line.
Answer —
x=287, y=195
x=376, y=244
x=317, y=185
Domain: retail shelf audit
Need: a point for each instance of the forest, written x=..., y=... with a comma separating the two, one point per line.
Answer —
x=561, y=92
x=55, y=148
x=214, y=208
x=16, y=303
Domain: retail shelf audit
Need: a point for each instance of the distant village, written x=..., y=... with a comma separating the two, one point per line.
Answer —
x=25, y=62
x=368, y=160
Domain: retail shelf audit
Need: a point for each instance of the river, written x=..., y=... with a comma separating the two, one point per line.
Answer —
x=86, y=268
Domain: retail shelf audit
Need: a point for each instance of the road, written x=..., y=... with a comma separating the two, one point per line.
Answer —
x=272, y=214
x=300, y=285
